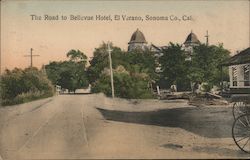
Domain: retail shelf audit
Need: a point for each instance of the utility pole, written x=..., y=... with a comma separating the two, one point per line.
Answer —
x=207, y=38
x=31, y=57
x=111, y=71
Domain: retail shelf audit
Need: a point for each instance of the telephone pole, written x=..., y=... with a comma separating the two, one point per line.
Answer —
x=31, y=57
x=207, y=38
x=111, y=71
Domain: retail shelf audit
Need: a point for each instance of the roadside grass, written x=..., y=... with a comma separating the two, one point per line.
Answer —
x=26, y=97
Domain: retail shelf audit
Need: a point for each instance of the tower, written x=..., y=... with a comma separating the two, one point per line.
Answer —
x=137, y=41
x=189, y=44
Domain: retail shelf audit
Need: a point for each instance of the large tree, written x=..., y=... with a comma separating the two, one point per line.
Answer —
x=132, y=82
x=203, y=67
x=70, y=74
x=175, y=67
x=77, y=56
x=205, y=64
x=141, y=62
x=100, y=60
x=127, y=85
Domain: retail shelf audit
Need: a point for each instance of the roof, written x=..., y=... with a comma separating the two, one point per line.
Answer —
x=192, y=38
x=155, y=48
x=137, y=37
x=158, y=48
x=240, y=58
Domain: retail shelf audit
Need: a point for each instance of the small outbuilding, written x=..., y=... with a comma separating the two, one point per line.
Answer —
x=239, y=72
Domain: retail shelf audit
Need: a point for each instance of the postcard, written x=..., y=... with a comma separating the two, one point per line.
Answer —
x=125, y=79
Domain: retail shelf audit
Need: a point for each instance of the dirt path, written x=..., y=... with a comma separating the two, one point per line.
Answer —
x=93, y=126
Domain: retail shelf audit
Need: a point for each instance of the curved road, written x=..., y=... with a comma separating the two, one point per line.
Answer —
x=71, y=127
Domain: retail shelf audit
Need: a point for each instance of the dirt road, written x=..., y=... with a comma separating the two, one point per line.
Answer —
x=93, y=126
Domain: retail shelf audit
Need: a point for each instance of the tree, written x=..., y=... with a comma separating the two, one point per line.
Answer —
x=70, y=74
x=19, y=85
x=175, y=68
x=126, y=85
x=100, y=60
x=53, y=70
x=77, y=56
x=36, y=80
x=12, y=83
x=140, y=62
x=205, y=64
x=133, y=72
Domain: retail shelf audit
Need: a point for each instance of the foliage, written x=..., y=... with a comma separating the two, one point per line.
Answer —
x=53, y=70
x=133, y=72
x=70, y=74
x=205, y=65
x=77, y=56
x=19, y=86
x=207, y=87
x=174, y=67
x=126, y=86
x=100, y=60
x=141, y=62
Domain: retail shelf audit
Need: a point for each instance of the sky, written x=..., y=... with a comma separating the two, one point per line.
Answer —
x=227, y=22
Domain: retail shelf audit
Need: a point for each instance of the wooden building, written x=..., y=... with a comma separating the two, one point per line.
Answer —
x=239, y=72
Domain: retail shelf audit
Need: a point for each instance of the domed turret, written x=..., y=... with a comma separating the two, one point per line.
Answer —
x=189, y=44
x=191, y=39
x=137, y=41
x=137, y=37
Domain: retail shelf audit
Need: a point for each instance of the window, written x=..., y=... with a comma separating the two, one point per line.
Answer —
x=234, y=76
x=246, y=75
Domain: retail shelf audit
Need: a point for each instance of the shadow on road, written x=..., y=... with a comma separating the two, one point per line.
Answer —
x=211, y=122
x=221, y=151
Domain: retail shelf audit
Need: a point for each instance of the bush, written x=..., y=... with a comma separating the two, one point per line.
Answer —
x=206, y=87
x=19, y=86
x=126, y=85
x=133, y=72
x=70, y=75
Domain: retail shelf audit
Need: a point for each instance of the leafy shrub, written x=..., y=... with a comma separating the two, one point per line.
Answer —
x=19, y=86
x=206, y=87
x=69, y=74
x=126, y=85
x=133, y=72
